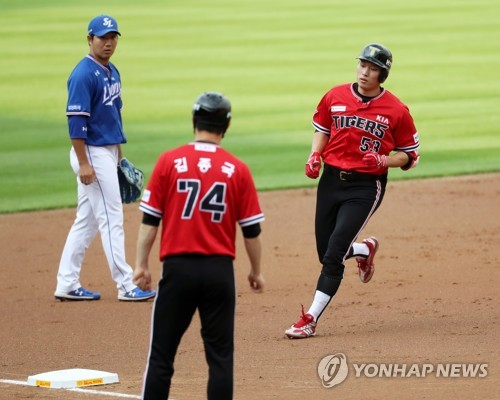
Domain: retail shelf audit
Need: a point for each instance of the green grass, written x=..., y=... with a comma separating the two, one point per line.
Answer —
x=273, y=59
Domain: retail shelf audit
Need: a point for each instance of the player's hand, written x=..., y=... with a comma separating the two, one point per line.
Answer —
x=257, y=282
x=313, y=165
x=142, y=278
x=87, y=174
x=375, y=160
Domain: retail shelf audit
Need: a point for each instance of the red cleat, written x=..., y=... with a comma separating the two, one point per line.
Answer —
x=366, y=265
x=304, y=328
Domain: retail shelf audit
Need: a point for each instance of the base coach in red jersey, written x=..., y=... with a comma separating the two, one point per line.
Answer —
x=199, y=192
x=361, y=130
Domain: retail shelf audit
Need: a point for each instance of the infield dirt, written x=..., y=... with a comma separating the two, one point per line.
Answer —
x=433, y=300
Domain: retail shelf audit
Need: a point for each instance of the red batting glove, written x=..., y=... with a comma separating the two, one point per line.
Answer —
x=313, y=165
x=375, y=160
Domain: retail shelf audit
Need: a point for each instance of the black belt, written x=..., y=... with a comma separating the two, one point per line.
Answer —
x=352, y=176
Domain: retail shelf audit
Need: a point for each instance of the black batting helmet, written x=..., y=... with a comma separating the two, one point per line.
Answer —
x=212, y=112
x=380, y=56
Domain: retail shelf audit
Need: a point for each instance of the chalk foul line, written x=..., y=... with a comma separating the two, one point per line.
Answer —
x=87, y=391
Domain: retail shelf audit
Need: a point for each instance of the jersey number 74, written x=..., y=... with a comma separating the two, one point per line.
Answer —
x=213, y=201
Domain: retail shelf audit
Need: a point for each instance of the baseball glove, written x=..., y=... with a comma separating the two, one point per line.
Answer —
x=131, y=181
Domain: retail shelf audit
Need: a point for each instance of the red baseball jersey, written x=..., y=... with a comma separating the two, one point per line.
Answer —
x=201, y=191
x=382, y=125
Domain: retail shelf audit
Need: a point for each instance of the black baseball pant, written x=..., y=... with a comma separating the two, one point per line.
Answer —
x=188, y=283
x=345, y=202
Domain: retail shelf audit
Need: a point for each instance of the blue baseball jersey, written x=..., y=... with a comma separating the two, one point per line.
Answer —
x=94, y=91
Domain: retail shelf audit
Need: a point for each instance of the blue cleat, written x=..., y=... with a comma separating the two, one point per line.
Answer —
x=77, y=295
x=136, y=295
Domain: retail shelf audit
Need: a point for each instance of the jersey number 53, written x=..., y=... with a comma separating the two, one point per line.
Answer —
x=368, y=144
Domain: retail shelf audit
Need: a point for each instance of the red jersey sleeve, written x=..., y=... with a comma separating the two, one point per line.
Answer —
x=153, y=197
x=249, y=212
x=322, y=120
x=406, y=138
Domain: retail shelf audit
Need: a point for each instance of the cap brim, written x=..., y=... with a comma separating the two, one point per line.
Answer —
x=104, y=32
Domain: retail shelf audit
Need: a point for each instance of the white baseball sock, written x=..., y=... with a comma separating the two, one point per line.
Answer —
x=319, y=303
x=360, y=249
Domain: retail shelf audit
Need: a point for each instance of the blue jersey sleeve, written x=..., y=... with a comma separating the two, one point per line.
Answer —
x=80, y=87
x=77, y=126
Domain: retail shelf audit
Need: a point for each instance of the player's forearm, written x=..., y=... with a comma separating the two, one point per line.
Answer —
x=253, y=248
x=319, y=142
x=120, y=153
x=396, y=160
x=145, y=241
x=81, y=154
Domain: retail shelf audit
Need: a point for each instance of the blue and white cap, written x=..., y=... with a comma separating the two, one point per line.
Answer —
x=103, y=24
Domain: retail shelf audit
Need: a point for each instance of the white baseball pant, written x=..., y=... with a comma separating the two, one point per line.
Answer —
x=99, y=209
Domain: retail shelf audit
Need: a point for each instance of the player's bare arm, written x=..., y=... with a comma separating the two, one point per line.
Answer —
x=319, y=142
x=86, y=173
x=145, y=241
x=254, y=250
x=120, y=152
x=397, y=160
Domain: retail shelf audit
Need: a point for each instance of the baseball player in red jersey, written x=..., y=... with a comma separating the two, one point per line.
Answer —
x=361, y=130
x=199, y=192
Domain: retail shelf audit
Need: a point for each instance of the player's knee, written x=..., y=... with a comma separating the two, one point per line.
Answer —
x=333, y=271
x=329, y=280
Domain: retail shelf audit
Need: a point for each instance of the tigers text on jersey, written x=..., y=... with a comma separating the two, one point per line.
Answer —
x=200, y=191
x=382, y=125
x=94, y=91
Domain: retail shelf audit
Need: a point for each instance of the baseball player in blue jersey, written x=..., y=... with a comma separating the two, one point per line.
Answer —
x=95, y=128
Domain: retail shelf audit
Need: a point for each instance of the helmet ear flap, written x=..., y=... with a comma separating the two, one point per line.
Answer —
x=383, y=74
